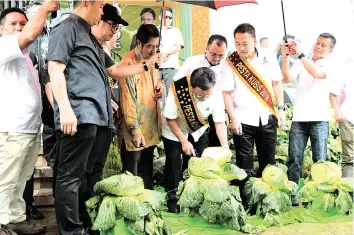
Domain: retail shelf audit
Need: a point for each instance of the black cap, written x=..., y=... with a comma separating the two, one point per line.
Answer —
x=111, y=13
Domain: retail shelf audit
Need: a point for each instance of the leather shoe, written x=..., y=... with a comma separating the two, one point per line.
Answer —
x=24, y=228
x=33, y=213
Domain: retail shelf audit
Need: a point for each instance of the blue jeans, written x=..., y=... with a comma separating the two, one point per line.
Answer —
x=298, y=137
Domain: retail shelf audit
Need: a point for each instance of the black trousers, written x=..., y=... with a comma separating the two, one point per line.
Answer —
x=213, y=137
x=49, y=140
x=80, y=161
x=175, y=166
x=139, y=163
x=264, y=137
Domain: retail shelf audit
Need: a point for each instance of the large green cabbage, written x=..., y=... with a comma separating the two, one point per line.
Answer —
x=192, y=195
x=326, y=171
x=219, y=154
x=121, y=185
x=275, y=177
x=204, y=167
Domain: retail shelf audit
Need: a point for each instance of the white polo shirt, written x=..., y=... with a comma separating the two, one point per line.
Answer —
x=213, y=105
x=194, y=62
x=312, y=94
x=20, y=91
x=248, y=108
x=345, y=83
x=171, y=37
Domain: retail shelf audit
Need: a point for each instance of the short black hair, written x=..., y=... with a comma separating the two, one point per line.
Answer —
x=288, y=36
x=9, y=10
x=145, y=32
x=203, y=78
x=264, y=38
x=148, y=10
x=78, y=2
x=218, y=38
x=245, y=28
x=330, y=37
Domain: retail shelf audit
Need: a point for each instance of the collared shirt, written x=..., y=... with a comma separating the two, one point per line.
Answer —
x=248, y=107
x=72, y=44
x=345, y=82
x=312, y=94
x=170, y=37
x=141, y=112
x=20, y=91
x=213, y=105
x=194, y=62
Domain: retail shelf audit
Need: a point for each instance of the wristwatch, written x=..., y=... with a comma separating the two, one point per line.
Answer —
x=281, y=108
x=301, y=55
x=146, y=68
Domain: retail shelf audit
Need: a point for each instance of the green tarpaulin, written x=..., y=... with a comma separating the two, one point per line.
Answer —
x=198, y=225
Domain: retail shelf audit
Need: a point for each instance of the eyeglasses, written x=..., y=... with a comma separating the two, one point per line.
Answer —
x=214, y=55
x=114, y=27
x=169, y=17
x=201, y=97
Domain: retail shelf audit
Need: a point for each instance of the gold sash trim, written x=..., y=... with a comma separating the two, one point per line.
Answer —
x=187, y=107
x=253, y=81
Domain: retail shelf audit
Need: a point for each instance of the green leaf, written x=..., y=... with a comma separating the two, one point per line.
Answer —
x=231, y=172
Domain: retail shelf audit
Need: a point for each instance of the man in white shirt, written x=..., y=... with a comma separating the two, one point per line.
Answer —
x=312, y=106
x=20, y=119
x=345, y=116
x=250, y=81
x=171, y=44
x=189, y=104
x=212, y=58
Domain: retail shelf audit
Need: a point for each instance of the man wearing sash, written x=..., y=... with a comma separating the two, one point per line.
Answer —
x=188, y=105
x=251, y=79
x=213, y=57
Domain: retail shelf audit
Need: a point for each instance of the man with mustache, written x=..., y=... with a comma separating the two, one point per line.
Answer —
x=312, y=107
x=139, y=99
x=251, y=79
x=213, y=57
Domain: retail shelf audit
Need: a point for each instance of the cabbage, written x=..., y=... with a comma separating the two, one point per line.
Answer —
x=192, y=195
x=121, y=185
x=326, y=171
x=107, y=214
x=131, y=208
x=221, y=155
x=276, y=201
x=154, y=198
x=309, y=192
x=255, y=190
x=204, y=167
x=344, y=202
x=231, y=172
x=214, y=190
x=275, y=177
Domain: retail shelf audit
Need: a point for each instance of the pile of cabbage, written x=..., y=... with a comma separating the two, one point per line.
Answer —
x=124, y=196
x=271, y=194
x=207, y=191
x=325, y=190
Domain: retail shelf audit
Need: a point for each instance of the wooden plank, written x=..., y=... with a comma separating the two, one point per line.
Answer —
x=43, y=172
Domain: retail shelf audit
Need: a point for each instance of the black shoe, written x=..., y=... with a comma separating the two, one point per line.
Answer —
x=33, y=213
x=294, y=202
x=24, y=228
x=175, y=210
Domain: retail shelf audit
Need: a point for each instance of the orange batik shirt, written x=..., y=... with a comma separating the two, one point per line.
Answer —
x=141, y=112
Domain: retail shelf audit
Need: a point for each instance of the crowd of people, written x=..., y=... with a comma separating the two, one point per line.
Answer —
x=70, y=92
